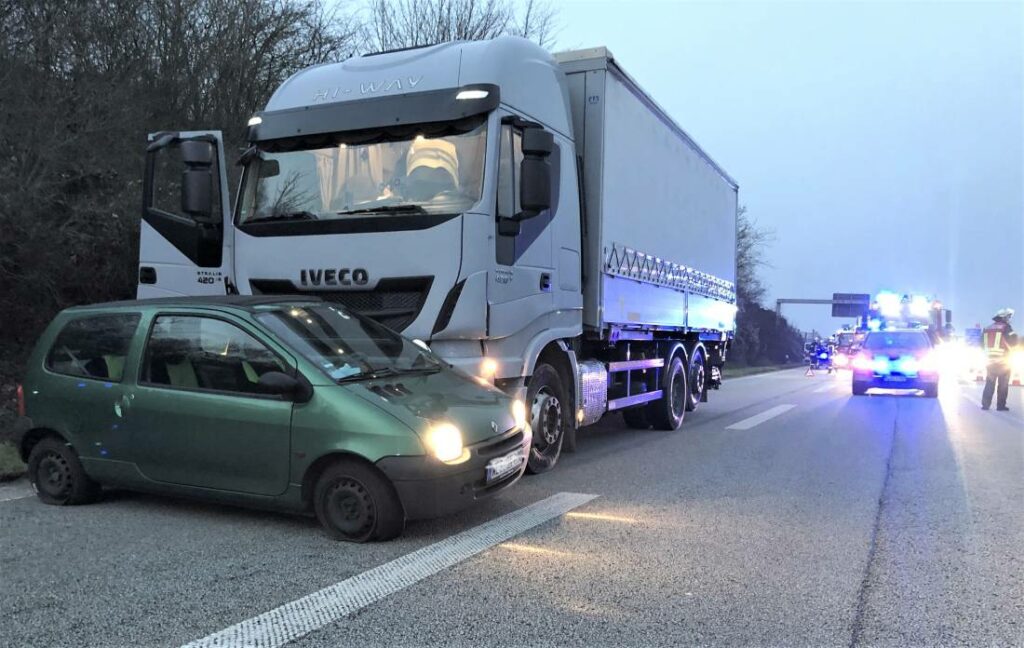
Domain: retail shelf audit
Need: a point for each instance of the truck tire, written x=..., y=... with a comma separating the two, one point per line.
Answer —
x=696, y=381
x=636, y=418
x=550, y=417
x=355, y=503
x=668, y=412
x=57, y=475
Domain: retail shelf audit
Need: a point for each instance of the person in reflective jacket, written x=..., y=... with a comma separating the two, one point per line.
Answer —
x=998, y=338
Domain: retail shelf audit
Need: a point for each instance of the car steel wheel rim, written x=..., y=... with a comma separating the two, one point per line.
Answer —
x=350, y=508
x=53, y=476
x=546, y=411
x=678, y=394
x=698, y=380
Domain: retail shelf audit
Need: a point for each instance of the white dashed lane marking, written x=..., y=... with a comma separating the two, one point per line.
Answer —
x=302, y=616
x=15, y=490
x=826, y=388
x=758, y=419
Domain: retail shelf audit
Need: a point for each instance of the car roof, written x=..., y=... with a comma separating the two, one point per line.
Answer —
x=237, y=302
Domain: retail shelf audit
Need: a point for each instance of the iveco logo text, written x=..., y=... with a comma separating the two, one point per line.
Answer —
x=368, y=87
x=332, y=277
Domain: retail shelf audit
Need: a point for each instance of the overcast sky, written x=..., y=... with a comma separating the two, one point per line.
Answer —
x=882, y=142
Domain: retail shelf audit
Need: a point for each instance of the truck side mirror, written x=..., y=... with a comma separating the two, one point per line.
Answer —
x=535, y=172
x=197, y=178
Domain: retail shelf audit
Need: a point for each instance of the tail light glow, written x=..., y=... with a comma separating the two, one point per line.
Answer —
x=841, y=360
x=21, y=400
x=863, y=363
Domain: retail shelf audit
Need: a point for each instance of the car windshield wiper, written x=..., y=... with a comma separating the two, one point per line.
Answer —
x=386, y=209
x=295, y=215
x=386, y=372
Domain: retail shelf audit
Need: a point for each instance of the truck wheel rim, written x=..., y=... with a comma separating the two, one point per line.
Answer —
x=698, y=379
x=547, y=412
x=350, y=508
x=678, y=394
x=53, y=476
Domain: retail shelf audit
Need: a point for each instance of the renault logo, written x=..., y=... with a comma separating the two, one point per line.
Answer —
x=494, y=427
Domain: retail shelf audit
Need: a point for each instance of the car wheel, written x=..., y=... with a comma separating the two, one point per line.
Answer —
x=57, y=474
x=859, y=388
x=550, y=417
x=355, y=503
x=931, y=391
x=697, y=380
x=636, y=418
x=668, y=412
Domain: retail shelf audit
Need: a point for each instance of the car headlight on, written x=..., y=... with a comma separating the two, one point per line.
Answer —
x=444, y=441
x=519, y=413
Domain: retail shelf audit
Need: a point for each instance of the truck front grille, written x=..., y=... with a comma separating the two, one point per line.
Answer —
x=395, y=302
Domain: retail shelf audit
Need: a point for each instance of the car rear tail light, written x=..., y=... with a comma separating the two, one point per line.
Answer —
x=928, y=362
x=21, y=400
x=863, y=363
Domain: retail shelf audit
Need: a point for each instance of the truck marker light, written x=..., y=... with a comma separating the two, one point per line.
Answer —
x=255, y=120
x=471, y=94
x=488, y=367
x=21, y=400
x=579, y=415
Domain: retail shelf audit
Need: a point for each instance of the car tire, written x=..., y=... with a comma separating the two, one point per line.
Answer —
x=668, y=412
x=636, y=418
x=355, y=503
x=57, y=474
x=859, y=388
x=550, y=416
x=931, y=391
x=696, y=381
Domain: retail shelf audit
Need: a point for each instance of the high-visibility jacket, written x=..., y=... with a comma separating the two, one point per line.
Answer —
x=996, y=340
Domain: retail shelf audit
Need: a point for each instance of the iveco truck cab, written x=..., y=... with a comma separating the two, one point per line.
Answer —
x=537, y=220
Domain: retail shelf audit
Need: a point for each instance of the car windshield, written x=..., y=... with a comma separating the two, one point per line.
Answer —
x=421, y=171
x=345, y=346
x=902, y=340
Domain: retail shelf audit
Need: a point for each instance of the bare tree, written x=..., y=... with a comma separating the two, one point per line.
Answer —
x=394, y=24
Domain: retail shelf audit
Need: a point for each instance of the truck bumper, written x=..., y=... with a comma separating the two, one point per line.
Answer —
x=430, y=489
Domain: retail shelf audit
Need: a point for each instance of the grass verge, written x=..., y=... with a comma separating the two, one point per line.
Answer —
x=10, y=463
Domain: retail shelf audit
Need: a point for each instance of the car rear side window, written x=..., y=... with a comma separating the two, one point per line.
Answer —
x=204, y=353
x=94, y=346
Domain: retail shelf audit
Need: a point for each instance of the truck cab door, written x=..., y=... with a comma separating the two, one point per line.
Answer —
x=186, y=232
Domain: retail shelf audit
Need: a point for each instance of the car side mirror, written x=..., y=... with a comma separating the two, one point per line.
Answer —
x=197, y=178
x=281, y=384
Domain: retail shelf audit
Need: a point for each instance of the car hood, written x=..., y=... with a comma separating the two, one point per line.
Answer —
x=420, y=400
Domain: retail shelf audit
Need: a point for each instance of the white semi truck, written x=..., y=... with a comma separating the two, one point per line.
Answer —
x=538, y=220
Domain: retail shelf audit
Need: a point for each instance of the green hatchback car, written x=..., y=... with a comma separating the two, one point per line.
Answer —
x=286, y=402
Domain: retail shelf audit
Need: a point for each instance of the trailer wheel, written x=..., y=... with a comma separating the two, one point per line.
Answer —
x=549, y=416
x=697, y=381
x=668, y=412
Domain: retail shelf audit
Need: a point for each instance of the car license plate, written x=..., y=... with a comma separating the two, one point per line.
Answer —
x=501, y=466
x=895, y=379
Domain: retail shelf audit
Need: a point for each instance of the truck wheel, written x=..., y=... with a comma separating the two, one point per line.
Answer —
x=57, y=475
x=355, y=503
x=697, y=381
x=636, y=418
x=668, y=412
x=549, y=417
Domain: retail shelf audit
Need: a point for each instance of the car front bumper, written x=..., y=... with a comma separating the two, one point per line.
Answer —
x=429, y=488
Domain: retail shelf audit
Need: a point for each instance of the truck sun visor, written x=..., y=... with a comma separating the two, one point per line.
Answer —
x=365, y=114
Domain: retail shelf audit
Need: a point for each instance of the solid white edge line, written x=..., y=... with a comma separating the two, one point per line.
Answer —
x=758, y=419
x=309, y=613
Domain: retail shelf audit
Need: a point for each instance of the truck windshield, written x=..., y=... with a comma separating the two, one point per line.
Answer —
x=345, y=346
x=415, y=172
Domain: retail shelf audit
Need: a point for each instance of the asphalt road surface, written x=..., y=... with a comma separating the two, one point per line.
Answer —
x=784, y=512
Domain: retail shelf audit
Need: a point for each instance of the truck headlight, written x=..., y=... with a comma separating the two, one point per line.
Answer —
x=519, y=413
x=444, y=441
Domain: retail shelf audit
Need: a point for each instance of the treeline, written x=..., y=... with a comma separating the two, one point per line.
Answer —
x=83, y=81
x=761, y=337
